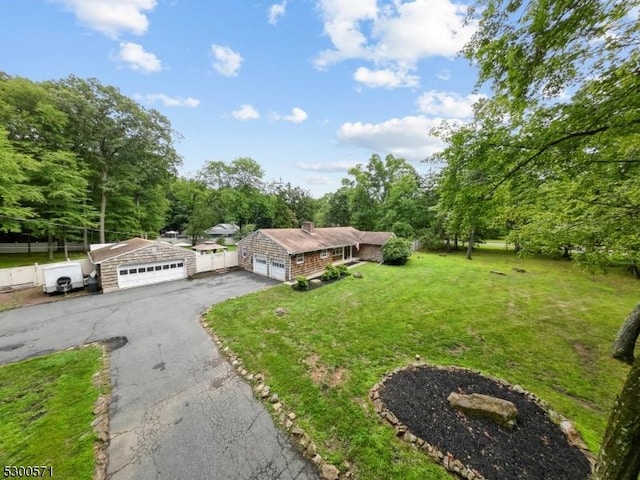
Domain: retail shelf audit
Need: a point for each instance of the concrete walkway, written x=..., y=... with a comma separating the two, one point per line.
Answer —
x=178, y=409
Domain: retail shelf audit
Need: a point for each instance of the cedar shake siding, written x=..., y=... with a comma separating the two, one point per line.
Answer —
x=370, y=253
x=110, y=259
x=286, y=244
x=258, y=243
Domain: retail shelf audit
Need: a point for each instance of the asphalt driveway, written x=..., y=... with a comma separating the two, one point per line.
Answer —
x=178, y=409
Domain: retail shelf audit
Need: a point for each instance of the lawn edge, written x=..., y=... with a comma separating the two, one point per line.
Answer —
x=283, y=417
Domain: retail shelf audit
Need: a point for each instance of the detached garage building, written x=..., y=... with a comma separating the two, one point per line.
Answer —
x=137, y=262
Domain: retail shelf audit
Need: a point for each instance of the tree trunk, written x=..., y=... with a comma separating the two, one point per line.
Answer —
x=64, y=240
x=635, y=271
x=448, y=243
x=455, y=242
x=471, y=243
x=50, y=244
x=103, y=204
x=619, y=457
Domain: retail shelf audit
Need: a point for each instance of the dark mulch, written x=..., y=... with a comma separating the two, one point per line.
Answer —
x=535, y=449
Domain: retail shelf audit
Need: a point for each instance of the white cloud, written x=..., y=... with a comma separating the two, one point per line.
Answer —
x=297, y=115
x=277, y=10
x=395, y=36
x=137, y=59
x=246, y=112
x=448, y=104
x=168, y=101
x=227, y=62
x=444, y=74
x=318, y=180
x=385, y=78
x=326, y=166
x=110, y=17
x=406, y=137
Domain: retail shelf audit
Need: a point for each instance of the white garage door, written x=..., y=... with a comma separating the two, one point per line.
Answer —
x=260, y=265
x=278, y=269
x=148, y=273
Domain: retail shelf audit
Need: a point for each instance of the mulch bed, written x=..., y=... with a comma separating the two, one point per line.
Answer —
x=535, y=449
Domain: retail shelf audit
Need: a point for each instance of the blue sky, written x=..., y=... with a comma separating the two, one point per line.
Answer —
x=307, y=88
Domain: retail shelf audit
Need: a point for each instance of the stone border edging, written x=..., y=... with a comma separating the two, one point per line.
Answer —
x=285, y=416
x=447, y=460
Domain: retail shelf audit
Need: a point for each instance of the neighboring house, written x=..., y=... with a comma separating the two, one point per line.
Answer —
x=285, y=253
x=137, y=262
x=222, y=230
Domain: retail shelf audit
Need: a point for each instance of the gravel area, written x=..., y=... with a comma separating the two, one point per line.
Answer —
x=535, y=449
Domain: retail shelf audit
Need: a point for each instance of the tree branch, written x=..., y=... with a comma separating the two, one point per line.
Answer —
x=625, y=341
x=543, y=149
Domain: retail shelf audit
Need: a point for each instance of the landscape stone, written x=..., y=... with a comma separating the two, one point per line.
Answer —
x=503, y=412
x=316, y=282
x=329, y=472
x=280, y=311
x=357, y=274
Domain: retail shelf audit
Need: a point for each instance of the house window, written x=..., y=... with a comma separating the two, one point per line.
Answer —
x=173, y=265
x=180, y=265
x=133, y=270
x=158, y=267
x=300, y=258
x=337, y=252
x=244, y=252
x=324, y=253
x=123, y=272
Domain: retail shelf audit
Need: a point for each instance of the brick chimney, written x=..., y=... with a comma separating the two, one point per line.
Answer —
x=308, y=227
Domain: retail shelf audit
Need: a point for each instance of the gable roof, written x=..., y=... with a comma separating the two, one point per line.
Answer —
x=222, y=229
x=121, y=248
x=296, y=240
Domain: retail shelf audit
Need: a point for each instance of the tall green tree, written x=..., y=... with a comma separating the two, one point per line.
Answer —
x=566, y=111
x=121, y=142
x=16, y=190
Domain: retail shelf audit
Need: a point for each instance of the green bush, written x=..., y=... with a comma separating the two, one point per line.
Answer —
x=331, y=272
x=343, y=270
x=396, y=251
x=302, y=283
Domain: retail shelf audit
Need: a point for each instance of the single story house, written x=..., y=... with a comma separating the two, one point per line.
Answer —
x=285, y=253
x=137, y=262
x=222, y=230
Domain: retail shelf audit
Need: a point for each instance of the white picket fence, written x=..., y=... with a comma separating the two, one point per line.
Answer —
x=208, y=262
x=32, y=275
x=39, y=247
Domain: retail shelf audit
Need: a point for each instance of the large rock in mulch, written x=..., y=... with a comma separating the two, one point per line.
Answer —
x=534, y=449
x=503, y=412
x=315, y=282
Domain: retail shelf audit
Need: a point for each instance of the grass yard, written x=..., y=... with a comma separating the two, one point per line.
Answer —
x=549, y=330
x=10, y=260
x=46, y=407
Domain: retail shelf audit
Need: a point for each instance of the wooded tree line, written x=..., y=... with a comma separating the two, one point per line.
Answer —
x=77, y=155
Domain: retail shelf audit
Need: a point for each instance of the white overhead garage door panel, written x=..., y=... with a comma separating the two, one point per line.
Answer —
x=148, y=273
x=278, y=269
x=260, y=265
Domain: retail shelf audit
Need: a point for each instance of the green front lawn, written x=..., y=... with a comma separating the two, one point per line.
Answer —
x=549, y=329
x=46, y=407
x=10, y=260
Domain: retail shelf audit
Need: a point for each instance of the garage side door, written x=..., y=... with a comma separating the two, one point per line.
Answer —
x=278, y=269
x=260, y=265
x=149, y=273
